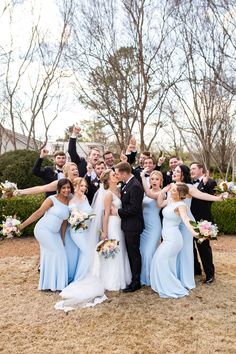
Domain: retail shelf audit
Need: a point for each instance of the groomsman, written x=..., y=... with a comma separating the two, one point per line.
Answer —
x=93, y=185
x=201, y=210
x=94, y=154
x=174, y=161
x=81, y=163
x=50, y=173
x=142, y=157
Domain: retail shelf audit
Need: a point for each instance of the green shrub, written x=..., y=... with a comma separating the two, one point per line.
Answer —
x=224, y=214
x=16, y=166
x=22, y=207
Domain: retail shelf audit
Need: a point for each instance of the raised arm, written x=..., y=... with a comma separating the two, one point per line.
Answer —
x=48, y=203
x=196, y=193
x=72, y=146
x=161, y=199
x=37, y=171
x=107, y=209
x=184, y=216
x=50, y=187
x=147, y=190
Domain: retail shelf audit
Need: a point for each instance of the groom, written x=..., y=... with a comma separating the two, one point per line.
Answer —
x=132, y=222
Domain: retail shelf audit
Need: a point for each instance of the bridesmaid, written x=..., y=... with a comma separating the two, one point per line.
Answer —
x=185, y=259
x=163, y=267
x=70, y=171
x=50, y=233
x=151, y=235
x=81, y=237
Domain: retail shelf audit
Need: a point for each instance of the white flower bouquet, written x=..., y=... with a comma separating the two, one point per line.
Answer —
x=77, y=219
x=108, y=248
x=226, y=187
x=9, y=227
x=8, y=188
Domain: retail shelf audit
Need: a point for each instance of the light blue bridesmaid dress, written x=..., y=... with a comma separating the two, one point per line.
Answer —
x=53, y=260
x=150, y=237
x=163, y=275
x=81, y=239
x=72, y=253
x=185, y=258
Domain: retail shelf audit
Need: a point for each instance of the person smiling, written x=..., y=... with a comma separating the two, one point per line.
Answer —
x=50, y=233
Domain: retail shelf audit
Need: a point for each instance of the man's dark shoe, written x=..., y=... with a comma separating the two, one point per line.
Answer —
x=209, y=280
x=132, y=287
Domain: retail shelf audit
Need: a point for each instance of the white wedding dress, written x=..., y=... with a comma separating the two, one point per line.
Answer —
x=106, y=274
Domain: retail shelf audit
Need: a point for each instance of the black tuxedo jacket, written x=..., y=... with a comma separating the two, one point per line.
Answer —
x=131, y=213
x=47, y=173
x=82, y=163
x=201, y=209
x=92, y=187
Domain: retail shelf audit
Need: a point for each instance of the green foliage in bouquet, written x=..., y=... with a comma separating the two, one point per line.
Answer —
x=16, y=167
x=22, y=207
x=224, y=214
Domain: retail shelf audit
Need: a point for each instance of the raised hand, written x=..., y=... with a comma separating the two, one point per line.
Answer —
x=123, y=157
x=43, y=153
x=132, y=145
x=206, y=177
x=144, y=171
x=166, y=189
x=89, y=169
x=76, y=129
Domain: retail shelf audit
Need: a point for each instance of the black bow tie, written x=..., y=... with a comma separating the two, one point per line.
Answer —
x=59, y=171
x=196, y=181
x=146, y=175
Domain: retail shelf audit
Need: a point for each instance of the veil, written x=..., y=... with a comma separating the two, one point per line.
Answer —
x=96, y=223
x=89, y=291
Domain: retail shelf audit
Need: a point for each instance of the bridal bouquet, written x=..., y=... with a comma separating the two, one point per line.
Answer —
x=77, y=219
x=108, y=248
x=9, y=227
x=7, y=188
x=226, y=187
x=205, y=229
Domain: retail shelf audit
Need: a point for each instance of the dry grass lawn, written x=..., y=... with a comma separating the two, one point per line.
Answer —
x=204, y=322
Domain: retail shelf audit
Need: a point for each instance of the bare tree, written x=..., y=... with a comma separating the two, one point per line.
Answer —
x=204, y=107
x=120, y=55
x=33, y=75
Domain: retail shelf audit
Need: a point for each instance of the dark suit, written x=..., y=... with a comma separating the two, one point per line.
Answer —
x=82, y=163
x=48, y=173
x=201, y=210
x=93, y=186
x=132, y=224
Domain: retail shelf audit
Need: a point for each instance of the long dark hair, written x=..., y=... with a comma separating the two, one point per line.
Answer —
x=62, y=182
x=186, y=178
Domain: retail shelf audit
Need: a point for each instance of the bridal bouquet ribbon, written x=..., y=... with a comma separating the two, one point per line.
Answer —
x=8, y=188
x=108, y=248
x=9, y=227
x=206, y=230
x=226, y=187
x=77, y=219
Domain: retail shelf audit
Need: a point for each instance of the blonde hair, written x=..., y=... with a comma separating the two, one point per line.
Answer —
x=105, y=178
x=158, y=174
x=66, y=168
x=77, y=182
x=182, y=189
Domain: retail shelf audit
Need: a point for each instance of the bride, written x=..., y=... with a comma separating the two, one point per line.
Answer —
x=105, y=274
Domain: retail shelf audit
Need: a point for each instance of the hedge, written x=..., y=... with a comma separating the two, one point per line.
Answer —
x=16, y=166
x=225, y=215
x=224, y=212
x=22, y=207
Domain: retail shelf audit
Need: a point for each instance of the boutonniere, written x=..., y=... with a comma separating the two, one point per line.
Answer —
x=95, y=184
x=124, y=192
x=119, y=185
x=168, y=173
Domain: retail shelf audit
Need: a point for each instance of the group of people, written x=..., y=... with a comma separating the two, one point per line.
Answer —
x=146, y=209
